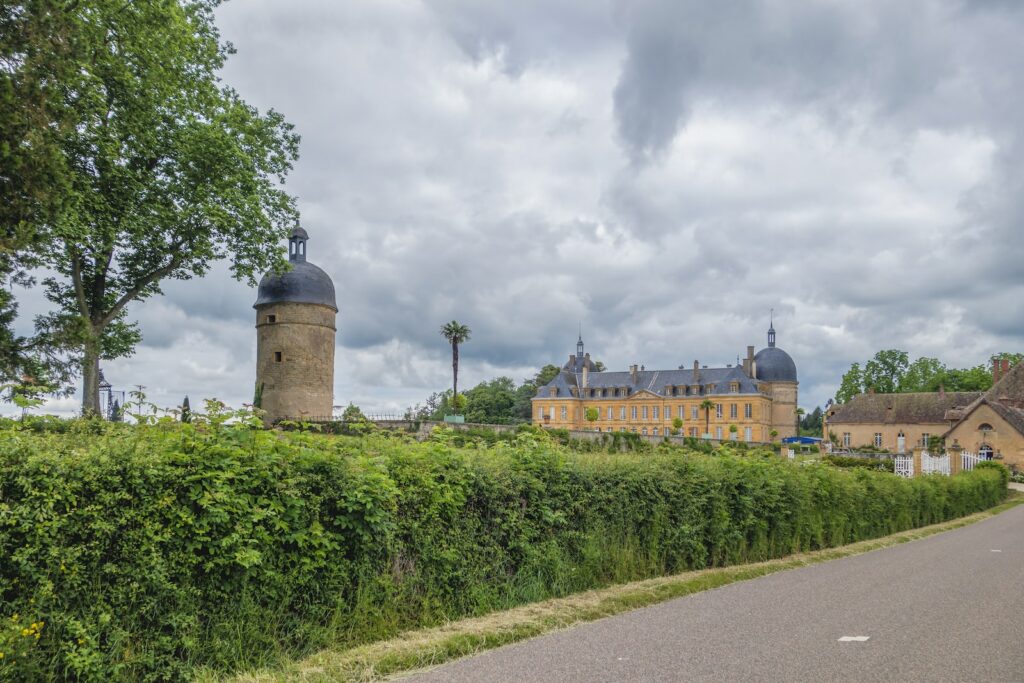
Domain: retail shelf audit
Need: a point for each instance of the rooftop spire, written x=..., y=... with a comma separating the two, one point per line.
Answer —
x=771, y=328
x=579, y=343
x=297, y=245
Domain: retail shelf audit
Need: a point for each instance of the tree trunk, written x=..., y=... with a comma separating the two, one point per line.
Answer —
x=455, y=375
x=91, y=380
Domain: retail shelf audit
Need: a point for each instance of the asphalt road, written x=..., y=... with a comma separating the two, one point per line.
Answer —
x=944, y=608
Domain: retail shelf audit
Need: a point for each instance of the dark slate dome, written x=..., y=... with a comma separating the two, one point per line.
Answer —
x=305, y=283
x=774, y=364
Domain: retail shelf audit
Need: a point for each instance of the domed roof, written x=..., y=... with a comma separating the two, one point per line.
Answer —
x=774, y=364
x=305, y=283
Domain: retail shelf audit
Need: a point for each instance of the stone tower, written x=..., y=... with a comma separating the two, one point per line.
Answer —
x=295, y=314
x=776, y=367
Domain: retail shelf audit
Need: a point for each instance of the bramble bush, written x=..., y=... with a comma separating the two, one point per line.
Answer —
x=142, y=552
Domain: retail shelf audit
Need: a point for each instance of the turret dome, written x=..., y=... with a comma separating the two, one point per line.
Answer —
x=774, y=364
x=305, y=283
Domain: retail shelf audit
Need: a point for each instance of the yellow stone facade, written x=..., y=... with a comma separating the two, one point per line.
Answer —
x=755, y=401
x=648, y=413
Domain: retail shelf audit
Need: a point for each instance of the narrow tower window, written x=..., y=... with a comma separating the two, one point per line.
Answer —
x=271, y=318
x=277, y=356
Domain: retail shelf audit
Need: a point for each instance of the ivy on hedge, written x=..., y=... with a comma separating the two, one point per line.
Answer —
x=143, y=552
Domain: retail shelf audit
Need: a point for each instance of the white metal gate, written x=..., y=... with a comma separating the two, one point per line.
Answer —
x=934, y=464
x=968, y=461
x=904, y=465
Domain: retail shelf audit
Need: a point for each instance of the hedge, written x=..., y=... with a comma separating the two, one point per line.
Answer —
x=142, y=553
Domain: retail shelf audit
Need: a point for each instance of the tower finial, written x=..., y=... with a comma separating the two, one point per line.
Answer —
x=297, y=245
x=771, y=328
x=579, y=344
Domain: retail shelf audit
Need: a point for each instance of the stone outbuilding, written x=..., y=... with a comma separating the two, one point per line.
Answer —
x=295, y=326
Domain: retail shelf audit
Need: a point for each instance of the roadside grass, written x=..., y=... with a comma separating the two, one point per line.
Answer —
x=429, y=647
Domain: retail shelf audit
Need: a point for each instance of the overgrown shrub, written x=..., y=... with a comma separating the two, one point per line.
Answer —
x=882, y=465
x=140, y=553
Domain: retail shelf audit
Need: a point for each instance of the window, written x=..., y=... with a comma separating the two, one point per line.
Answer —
x=924, y=439
x=654, y=411
x=540, y=413
x=985, y=427
x=695, y=412
x=645, y=431
x=878, y=439
x=632, y=413
x=693, y=431
x=718, y=410
x=565, y=413
x=748, y=412
x=271, y=318
x=277, y=356
x=654, y=431
x=622, y=412
x=732, y=410
x=645, y=412
x=734, y=388
x=748, y=434
x=718, y=433
x=846, y=439
x=682, y=412
x=609, y=412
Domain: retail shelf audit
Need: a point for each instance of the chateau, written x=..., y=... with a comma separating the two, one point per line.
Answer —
x=757, y=397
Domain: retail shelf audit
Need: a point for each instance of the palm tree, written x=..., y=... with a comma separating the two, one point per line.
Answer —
x=456, y=333
x=707, y=405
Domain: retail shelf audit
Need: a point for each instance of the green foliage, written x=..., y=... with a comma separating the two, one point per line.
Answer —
x=811, y=424
x=352, y=413
x=851, y=384
x=891, y=371
x=883, y=465
x=592, y=414
x=142, y=552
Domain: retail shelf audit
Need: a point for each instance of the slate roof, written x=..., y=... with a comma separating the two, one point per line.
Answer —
x=929, y=408
x=653, y=381
x=1009, y=388
x=775, y=365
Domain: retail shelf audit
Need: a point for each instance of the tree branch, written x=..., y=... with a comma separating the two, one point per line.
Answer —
x=141, y=284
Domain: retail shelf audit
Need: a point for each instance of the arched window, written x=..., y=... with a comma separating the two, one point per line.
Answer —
x=985, y=452
x=984, y=427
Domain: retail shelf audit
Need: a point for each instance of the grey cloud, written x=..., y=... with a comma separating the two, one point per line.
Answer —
x=664, y=172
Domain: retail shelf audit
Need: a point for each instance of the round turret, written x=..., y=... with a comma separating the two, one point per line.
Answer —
x=295, y=314
x=774, y=364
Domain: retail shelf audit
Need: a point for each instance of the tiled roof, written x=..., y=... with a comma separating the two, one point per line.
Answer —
x=930, y=408
x=1010, y=388
x=655, y=381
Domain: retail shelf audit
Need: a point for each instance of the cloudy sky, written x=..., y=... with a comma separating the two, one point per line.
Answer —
x=663, y=171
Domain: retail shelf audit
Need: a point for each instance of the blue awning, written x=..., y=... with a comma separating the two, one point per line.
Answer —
x=809, y=440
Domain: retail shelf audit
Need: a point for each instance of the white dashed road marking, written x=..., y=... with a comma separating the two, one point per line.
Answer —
x=853, y=639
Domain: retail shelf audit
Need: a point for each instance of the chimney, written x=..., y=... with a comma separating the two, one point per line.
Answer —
x=748, y=362
x=586, y=373
x=696, y=372
x=1006, y=367
x=632, y=373
x=641, y=368
x=942, y=391
x=995, y=371
x=572, y=361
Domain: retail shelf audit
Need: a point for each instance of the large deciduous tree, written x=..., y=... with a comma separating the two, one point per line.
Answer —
x=164, y=169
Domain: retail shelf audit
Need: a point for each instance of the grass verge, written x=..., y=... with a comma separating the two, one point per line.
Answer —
x=429, y=647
